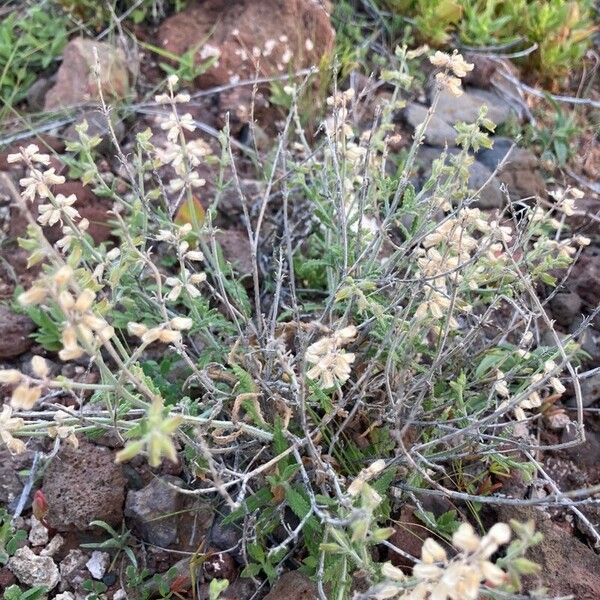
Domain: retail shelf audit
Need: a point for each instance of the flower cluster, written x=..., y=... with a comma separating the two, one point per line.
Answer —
x=82, y=325
x=565, y=199
x=331, y=362
x=8, y=426
x=167, y=334
x=534, y=398
x=458, y=578
x=445, y=251
x=450, y=63
x=182, y=155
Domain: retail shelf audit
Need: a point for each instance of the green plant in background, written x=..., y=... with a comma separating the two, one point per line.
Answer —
x=30, y=40
x=10, y=540
x=559, y=31
x=118, y=542
x=100, y=14
x=14, y=592
x=555, y=140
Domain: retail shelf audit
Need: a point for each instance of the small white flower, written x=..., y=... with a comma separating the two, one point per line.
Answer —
x=50, y=214
x=30, y=153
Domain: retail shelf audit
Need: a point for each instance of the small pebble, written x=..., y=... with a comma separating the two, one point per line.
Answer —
x=38, y=534
x=98, y=564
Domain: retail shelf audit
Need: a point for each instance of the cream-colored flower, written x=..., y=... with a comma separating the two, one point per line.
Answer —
x=25, y=397
x=39, y=183
x=52, y=213
x=29, y=154
x=332, y=364
x=63, y=431
x=10, y=376
x=39, y=367
x=181, y=323
x=451, y=62
x=447, y=82
x=33, y=296
x=8, y=426
x=500, y=386
x=187, y=282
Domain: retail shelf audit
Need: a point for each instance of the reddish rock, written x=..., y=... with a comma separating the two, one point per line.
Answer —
x=409, y=536
x=16, y=329
x=293, y=585
x=75, y=79
x=271, y=37
x=6, y=578
x=568, y=566
x=82, y=485
x=236, y=249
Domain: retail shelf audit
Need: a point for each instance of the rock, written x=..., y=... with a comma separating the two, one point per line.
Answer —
x=590, y=390
x=55, y=544
x=98, y=564
x=586, y=278
x=241, y=589
x=64, y=596
x=15, y=338
x=565, y=307
x=11, y=484
x=219, y=565
x=408, y=536
x=520, y=172
x=236, y=249
x=151, y=511
x=72, y=570
x=37, y=93
x=6, y=578
x=558, y=555
x=438, y=132
x=490, y=195
x=82, y=485
x=97, y=125
x=31, y=569
x=38, y=534
x=465, y=108
x=293, y=585
x=75, y=79
x=226, y=537
x=246, y=40
x=483, y=69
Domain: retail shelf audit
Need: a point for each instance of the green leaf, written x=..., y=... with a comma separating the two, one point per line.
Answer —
x=251, y=570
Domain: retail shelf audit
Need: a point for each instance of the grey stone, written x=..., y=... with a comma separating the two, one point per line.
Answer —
x=38, y=534
x=438, y=132
x=55, y=544
x=32, y=570
x=97, y=125
x=490, y=195
x=98, y=564
x=565, y=307
x=466, y=107
x=72, y=570
x=37, y=92
x=152, y=511
x=590, y=389
x=518, y=157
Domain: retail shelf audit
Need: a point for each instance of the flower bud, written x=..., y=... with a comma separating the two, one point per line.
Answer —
x=39, y=367
x=181, y=323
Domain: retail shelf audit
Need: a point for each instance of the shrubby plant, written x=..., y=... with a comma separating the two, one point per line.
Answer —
x=386, y=338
